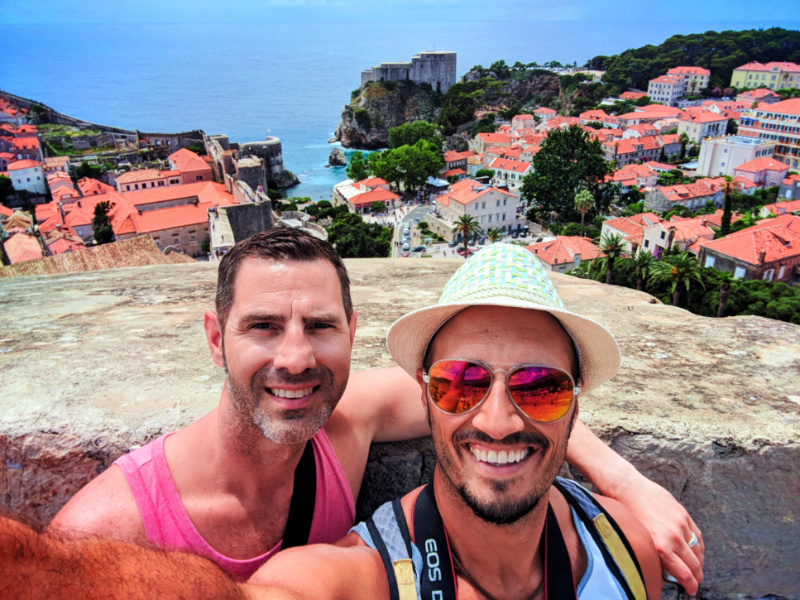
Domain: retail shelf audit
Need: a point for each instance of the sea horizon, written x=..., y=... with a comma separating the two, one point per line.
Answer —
x=289, y=80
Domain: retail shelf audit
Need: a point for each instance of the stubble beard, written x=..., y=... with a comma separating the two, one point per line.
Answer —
x=285, y=426
x=498, y=509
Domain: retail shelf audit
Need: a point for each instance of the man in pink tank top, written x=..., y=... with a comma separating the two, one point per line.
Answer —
x=222, y=487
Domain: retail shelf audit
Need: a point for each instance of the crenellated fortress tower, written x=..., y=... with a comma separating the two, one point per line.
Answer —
x=436, y=67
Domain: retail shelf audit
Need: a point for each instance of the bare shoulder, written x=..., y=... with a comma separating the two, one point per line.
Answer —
x=345, y=570
x=641, y=542
x=103, y=507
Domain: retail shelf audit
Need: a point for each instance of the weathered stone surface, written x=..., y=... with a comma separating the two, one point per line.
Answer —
x=93, y=364
x=337, y=158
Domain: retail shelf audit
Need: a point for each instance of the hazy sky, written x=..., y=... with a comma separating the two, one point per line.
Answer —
x=769, y=12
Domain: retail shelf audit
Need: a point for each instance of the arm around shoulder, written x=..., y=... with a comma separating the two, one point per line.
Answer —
x=104, y=507
x=347, y=570
x=641, y=543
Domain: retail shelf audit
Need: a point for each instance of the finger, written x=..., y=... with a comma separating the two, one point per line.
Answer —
x=691, y=561
x=682, y=573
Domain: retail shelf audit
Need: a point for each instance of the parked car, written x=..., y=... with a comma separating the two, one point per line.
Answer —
x=515, y=235
x=470, y=251
x=405, y=254
x=418, y=249
x=406, y=247
x=482, y=241
x=453, y=244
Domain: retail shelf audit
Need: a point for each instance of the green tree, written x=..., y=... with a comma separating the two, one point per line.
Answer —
x=357, y=167
x=466, y=226
x=644, y=261
x=728, y=188
x=101, y=226
x=409, y=134
x=612, y=245
x=409, y=165
x=91, y=171
x=679, y=269
x=495, y=234
x=378, y=207
x=6, y=188
x=683, y=139
x=584, y=201
x=568, y=161
x=353, y=238
x=484, y=173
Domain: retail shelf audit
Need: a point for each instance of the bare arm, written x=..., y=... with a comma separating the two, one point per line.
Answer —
x=667, y=521
x=45, y=566
x=642, y=545
x=104, y=507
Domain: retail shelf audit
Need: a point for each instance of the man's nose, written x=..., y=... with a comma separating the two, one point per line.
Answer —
x=294, y=353
x=498, y=417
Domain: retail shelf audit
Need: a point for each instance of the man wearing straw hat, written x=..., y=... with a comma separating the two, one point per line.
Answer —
x=501, y=365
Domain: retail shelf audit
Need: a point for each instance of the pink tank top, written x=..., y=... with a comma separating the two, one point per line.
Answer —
x=168, y=525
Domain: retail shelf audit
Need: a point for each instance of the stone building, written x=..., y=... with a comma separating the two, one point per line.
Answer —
x=436, y=68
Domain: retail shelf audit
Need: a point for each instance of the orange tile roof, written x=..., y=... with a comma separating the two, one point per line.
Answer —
x=786, y=207
x=715, y=218
x=757, y=66
x=659, y=109
x=689, y=71
x=469, y=190
x=25, y=143
x=23, y=164
x=759, y=93
x=626, y=226
x=666, y=79
x=140, y=175
x=5, y=211
x=454, y=173
x=657, y=165
x=370, y=182
x=186, y=160
x=632, y=95
x=452, y=156
x=205, y=191
x=564, y=248
x=647, y=218
x=677, y=193
x=543, y=110
x=62, y=245
x=91, y=187
x=174, y=217
x=762, y=164
x=791, y=179
x=495, y=138
x=687, y=229
x=376, y=195
x=22, y=247
x=707, y=116
x=632, y=171
x=779, y=239
x=784, y=107
x=523, y=117
x=507, y=164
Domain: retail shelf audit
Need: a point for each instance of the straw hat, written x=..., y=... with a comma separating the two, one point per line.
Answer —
x=505, y=275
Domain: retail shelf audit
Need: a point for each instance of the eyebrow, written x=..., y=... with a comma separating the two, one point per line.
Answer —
x=330, y=319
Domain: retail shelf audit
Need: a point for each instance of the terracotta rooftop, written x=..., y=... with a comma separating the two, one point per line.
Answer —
x=140, y=175
x=469, y=190
x=507, y=164
x=23, y=164
x=186, y=160
x=22, y=247
x=376, y=195
x=564, y=248
x=762, y=164
x=778, y=238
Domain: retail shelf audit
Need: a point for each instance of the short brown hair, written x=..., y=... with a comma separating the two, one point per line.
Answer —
x=276, y=244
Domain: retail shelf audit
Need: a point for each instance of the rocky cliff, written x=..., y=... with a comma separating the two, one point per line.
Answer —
x=377, y=108
x=96, y=363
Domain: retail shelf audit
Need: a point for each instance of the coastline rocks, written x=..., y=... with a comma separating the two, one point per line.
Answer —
x=366, y=121
x=283, y=180
x=337, y=158
x=456, y=143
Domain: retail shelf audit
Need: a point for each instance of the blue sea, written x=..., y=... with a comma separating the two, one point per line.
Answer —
x=287, y=80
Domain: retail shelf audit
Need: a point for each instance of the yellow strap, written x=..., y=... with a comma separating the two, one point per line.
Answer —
x=621, y=555
x=404, y=573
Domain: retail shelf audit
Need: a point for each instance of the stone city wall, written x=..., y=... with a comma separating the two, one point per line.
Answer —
x=94, y=364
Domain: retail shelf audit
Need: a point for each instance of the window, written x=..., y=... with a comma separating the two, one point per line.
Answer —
x=127, y=188
x=199, y=178
x=710, y=261
x=663, y=234
x=768, y=274
x=781, y=272
x=739, y=272
x=192, y=237
x=498, y=203
x=505, y=201
x=647, y=243
x=490, y=218
x=175, y=240
x=483, y=204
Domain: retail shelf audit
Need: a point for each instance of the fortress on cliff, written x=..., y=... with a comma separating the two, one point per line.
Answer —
x=436, y=67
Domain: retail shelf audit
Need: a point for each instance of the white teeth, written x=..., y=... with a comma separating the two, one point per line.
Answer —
x=290, y=393
x=499, y=458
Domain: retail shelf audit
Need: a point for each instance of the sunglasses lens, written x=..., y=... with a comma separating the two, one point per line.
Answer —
x=457, y=386
x=542, y=393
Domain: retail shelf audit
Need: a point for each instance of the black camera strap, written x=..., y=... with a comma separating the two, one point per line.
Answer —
x=304, y=496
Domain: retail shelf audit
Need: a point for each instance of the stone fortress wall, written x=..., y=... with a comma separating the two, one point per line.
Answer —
x=96, y=363
x=437, y=68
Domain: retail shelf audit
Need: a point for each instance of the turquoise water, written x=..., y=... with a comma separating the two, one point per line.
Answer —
x=288, y=80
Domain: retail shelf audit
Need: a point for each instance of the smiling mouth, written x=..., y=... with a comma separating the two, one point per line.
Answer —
x=292, y=394
x=503, y=457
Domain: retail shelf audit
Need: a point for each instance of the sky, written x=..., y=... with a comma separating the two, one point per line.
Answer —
x=769, y=12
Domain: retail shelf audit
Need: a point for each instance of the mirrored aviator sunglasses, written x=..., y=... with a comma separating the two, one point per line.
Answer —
x=543, y=394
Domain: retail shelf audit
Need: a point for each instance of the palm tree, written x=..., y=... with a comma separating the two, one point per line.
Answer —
x=466, y=226
x=728, y=189
x=584, y=201
x=679, y=269
x=644, y=261
x=684, y=140
x=495, y=234
x=612, y=245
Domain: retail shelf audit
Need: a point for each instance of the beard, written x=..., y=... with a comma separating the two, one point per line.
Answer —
x=499, y=507
x=286, y=426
